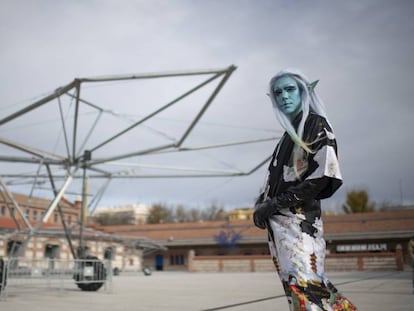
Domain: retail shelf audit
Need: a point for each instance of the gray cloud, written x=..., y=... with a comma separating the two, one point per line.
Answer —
x=361, y=52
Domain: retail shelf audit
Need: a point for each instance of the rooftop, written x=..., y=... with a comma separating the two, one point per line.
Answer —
x=387, y=224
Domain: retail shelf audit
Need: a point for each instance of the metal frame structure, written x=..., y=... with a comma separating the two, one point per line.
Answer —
x=78, y=162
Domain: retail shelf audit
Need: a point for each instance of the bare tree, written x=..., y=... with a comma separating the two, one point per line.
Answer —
x=194, y=215
x=116, y=218
x=214, y=212
x=181, y=214
x=160, y=213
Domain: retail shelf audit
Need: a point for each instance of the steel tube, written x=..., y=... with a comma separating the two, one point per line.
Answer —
x=39, y=103
x=57, y=198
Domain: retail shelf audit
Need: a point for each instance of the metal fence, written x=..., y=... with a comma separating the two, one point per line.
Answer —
x=21, y=276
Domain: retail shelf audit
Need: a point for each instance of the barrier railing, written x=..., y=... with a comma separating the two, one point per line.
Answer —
x=23, y=275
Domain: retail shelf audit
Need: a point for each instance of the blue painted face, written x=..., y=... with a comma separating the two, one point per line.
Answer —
x=288, y=96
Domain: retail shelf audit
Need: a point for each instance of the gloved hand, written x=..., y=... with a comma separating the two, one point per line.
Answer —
x=263, y=211
x=288, y=200
x=267, y=208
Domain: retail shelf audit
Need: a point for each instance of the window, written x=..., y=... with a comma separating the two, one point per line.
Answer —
x=51, y=251
x=11, y=211
x=55, y=218
x=3, y=211
x=27, y=212
x=34, y=215
x=109, y=253
x=176, y=260
x=69, y=220
x=14, y=248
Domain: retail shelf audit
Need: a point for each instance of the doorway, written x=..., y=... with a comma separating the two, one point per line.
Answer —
x=51, y=252
x=159, y=262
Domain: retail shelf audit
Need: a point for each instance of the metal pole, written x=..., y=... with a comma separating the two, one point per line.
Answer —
x=57, y=198
x=133, y=154
x=152, y=75
x=34, y=151
x=16, y=205
x=171, y=103
x=207, y=104
x=49, y=211
x=39, y=103
x=85, y=159
x=65, y=135
x=52, y=183
x=75, y=121
x=30, y=160
x=95, y=201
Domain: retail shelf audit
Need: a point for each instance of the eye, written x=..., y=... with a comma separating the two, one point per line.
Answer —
x=277, y=92
x=291, y=89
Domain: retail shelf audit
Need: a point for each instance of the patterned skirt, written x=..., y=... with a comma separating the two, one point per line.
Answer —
x=298, y=251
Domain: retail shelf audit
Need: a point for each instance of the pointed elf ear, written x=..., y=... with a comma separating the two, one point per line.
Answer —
x=311, y=86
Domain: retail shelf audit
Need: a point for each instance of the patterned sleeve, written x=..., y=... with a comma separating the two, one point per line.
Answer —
x=322, y=176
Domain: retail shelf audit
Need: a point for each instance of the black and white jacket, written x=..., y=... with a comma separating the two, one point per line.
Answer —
x=318, y=174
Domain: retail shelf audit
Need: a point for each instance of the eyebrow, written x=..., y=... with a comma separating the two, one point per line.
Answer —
x=289, y=85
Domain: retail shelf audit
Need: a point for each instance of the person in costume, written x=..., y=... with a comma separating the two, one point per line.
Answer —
x=304, y=169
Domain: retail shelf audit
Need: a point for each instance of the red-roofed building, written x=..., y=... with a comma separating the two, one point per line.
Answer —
x=347, y=236
x=354, y=241
x=34, y=208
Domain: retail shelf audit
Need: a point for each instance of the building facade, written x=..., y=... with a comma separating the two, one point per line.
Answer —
x=134, y=214
x=241, y=214
x=376, y=240
x=50, y=241
x=354, y=241
x=34, y=208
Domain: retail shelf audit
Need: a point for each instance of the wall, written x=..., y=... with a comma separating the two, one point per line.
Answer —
x=256, y=263
x=362, y=261
x=35, y=250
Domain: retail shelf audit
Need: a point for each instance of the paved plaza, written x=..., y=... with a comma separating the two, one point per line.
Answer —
x=170, y=291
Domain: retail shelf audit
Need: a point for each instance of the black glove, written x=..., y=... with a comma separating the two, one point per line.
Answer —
x=263, y=211
x=288, y=200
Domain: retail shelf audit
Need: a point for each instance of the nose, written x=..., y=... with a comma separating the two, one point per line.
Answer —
x=285, y=95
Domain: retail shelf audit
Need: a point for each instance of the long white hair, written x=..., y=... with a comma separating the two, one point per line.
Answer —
x=310, y=100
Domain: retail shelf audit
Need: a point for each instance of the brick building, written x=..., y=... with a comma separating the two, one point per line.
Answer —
x=34, y=208
x=50, y=241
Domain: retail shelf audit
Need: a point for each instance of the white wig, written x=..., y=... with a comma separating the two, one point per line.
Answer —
x=309, y=99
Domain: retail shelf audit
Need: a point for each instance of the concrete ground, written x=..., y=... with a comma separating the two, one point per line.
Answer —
x=369, y=291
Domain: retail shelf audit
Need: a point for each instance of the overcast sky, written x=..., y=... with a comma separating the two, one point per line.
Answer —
x=361, y=51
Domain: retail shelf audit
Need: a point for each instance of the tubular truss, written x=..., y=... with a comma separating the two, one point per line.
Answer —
x=78, y=160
